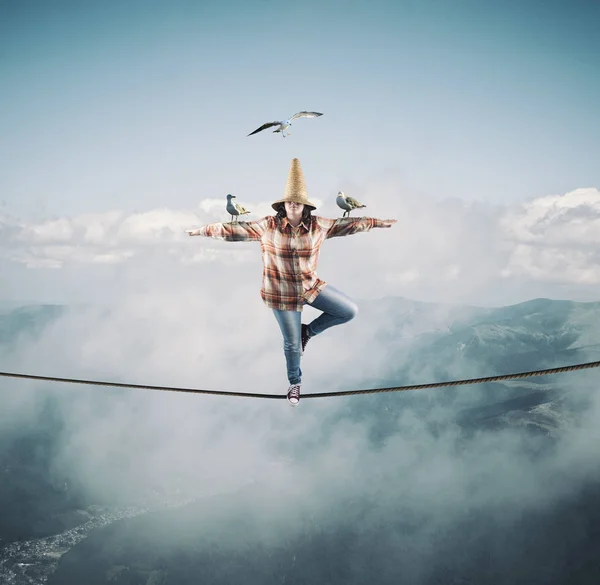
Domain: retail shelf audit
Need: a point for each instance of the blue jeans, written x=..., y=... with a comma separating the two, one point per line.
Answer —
x=337, y=309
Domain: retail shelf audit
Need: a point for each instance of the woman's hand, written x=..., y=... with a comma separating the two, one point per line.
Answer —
x=193, y=232
x=387, y=223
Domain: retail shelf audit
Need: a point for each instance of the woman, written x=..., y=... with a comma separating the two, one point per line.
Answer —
x=290, y=243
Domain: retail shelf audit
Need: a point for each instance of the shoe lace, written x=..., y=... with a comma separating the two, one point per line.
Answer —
x=294, y=391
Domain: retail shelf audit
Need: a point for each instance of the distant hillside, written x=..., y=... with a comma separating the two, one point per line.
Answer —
x=25, y=322
x=354, y=544
x=529, y=335
x=426, y=342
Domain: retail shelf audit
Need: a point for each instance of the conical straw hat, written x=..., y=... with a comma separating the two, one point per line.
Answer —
x=295, y=188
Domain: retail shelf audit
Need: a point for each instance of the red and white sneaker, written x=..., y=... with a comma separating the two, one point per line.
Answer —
x=293, y=394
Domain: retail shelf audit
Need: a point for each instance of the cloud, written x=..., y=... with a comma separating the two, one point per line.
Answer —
x=572, y=219
x=556, y=238
x=448, y=250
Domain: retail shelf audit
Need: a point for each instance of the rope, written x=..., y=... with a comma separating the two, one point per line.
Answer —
x=460, y=382
x=141, y=386
x=319, y=394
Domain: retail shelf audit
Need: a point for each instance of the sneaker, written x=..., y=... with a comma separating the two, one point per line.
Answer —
x=305, y=337
x=293, y=394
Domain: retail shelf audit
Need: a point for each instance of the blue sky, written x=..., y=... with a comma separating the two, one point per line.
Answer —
x=137, y=105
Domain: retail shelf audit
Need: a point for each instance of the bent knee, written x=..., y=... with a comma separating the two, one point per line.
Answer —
x=351, y=311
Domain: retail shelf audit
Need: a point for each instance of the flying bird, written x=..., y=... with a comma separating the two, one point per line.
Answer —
x=234, y=209
x=347, y=203
x=285, y=124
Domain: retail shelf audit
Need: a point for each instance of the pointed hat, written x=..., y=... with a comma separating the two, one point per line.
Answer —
x=295, y=188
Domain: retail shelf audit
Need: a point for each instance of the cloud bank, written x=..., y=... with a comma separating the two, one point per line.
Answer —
x=473, y=252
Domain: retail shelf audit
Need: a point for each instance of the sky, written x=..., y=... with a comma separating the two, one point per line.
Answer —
x=138, y=113
x=141, y=104
x=474, y=124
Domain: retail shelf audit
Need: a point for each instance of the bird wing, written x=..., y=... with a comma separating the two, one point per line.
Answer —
x=354, y=202
x=305, y=115
x=265, y=126
x=241, y=209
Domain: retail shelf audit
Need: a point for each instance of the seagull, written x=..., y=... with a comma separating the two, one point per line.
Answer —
x=285, y=124
x=347, y=203
x=234, y=208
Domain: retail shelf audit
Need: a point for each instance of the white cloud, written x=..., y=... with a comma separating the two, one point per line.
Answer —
x=572, y=219
x=556, y=238
x=447, y=249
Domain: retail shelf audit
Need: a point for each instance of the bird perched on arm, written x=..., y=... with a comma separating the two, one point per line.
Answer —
x=285, y=124
x=234, y=209
x=347, y=203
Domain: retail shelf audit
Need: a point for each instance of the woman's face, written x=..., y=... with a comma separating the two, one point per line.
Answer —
x=293, y=209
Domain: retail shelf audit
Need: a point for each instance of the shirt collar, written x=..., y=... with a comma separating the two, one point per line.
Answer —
x=285, y=222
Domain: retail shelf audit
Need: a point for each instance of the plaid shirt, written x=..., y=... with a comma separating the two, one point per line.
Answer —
x=289, y=254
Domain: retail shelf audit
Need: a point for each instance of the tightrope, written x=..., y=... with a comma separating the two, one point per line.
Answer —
x=514, y=376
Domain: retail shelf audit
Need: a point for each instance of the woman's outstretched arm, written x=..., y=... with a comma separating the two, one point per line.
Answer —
x=242, y=231
x=346, y=226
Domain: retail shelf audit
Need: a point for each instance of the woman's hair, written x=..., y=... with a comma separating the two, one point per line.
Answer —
x=306, y=212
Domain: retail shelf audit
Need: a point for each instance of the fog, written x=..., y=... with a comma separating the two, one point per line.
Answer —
x=203, y=325
x=182, y=333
